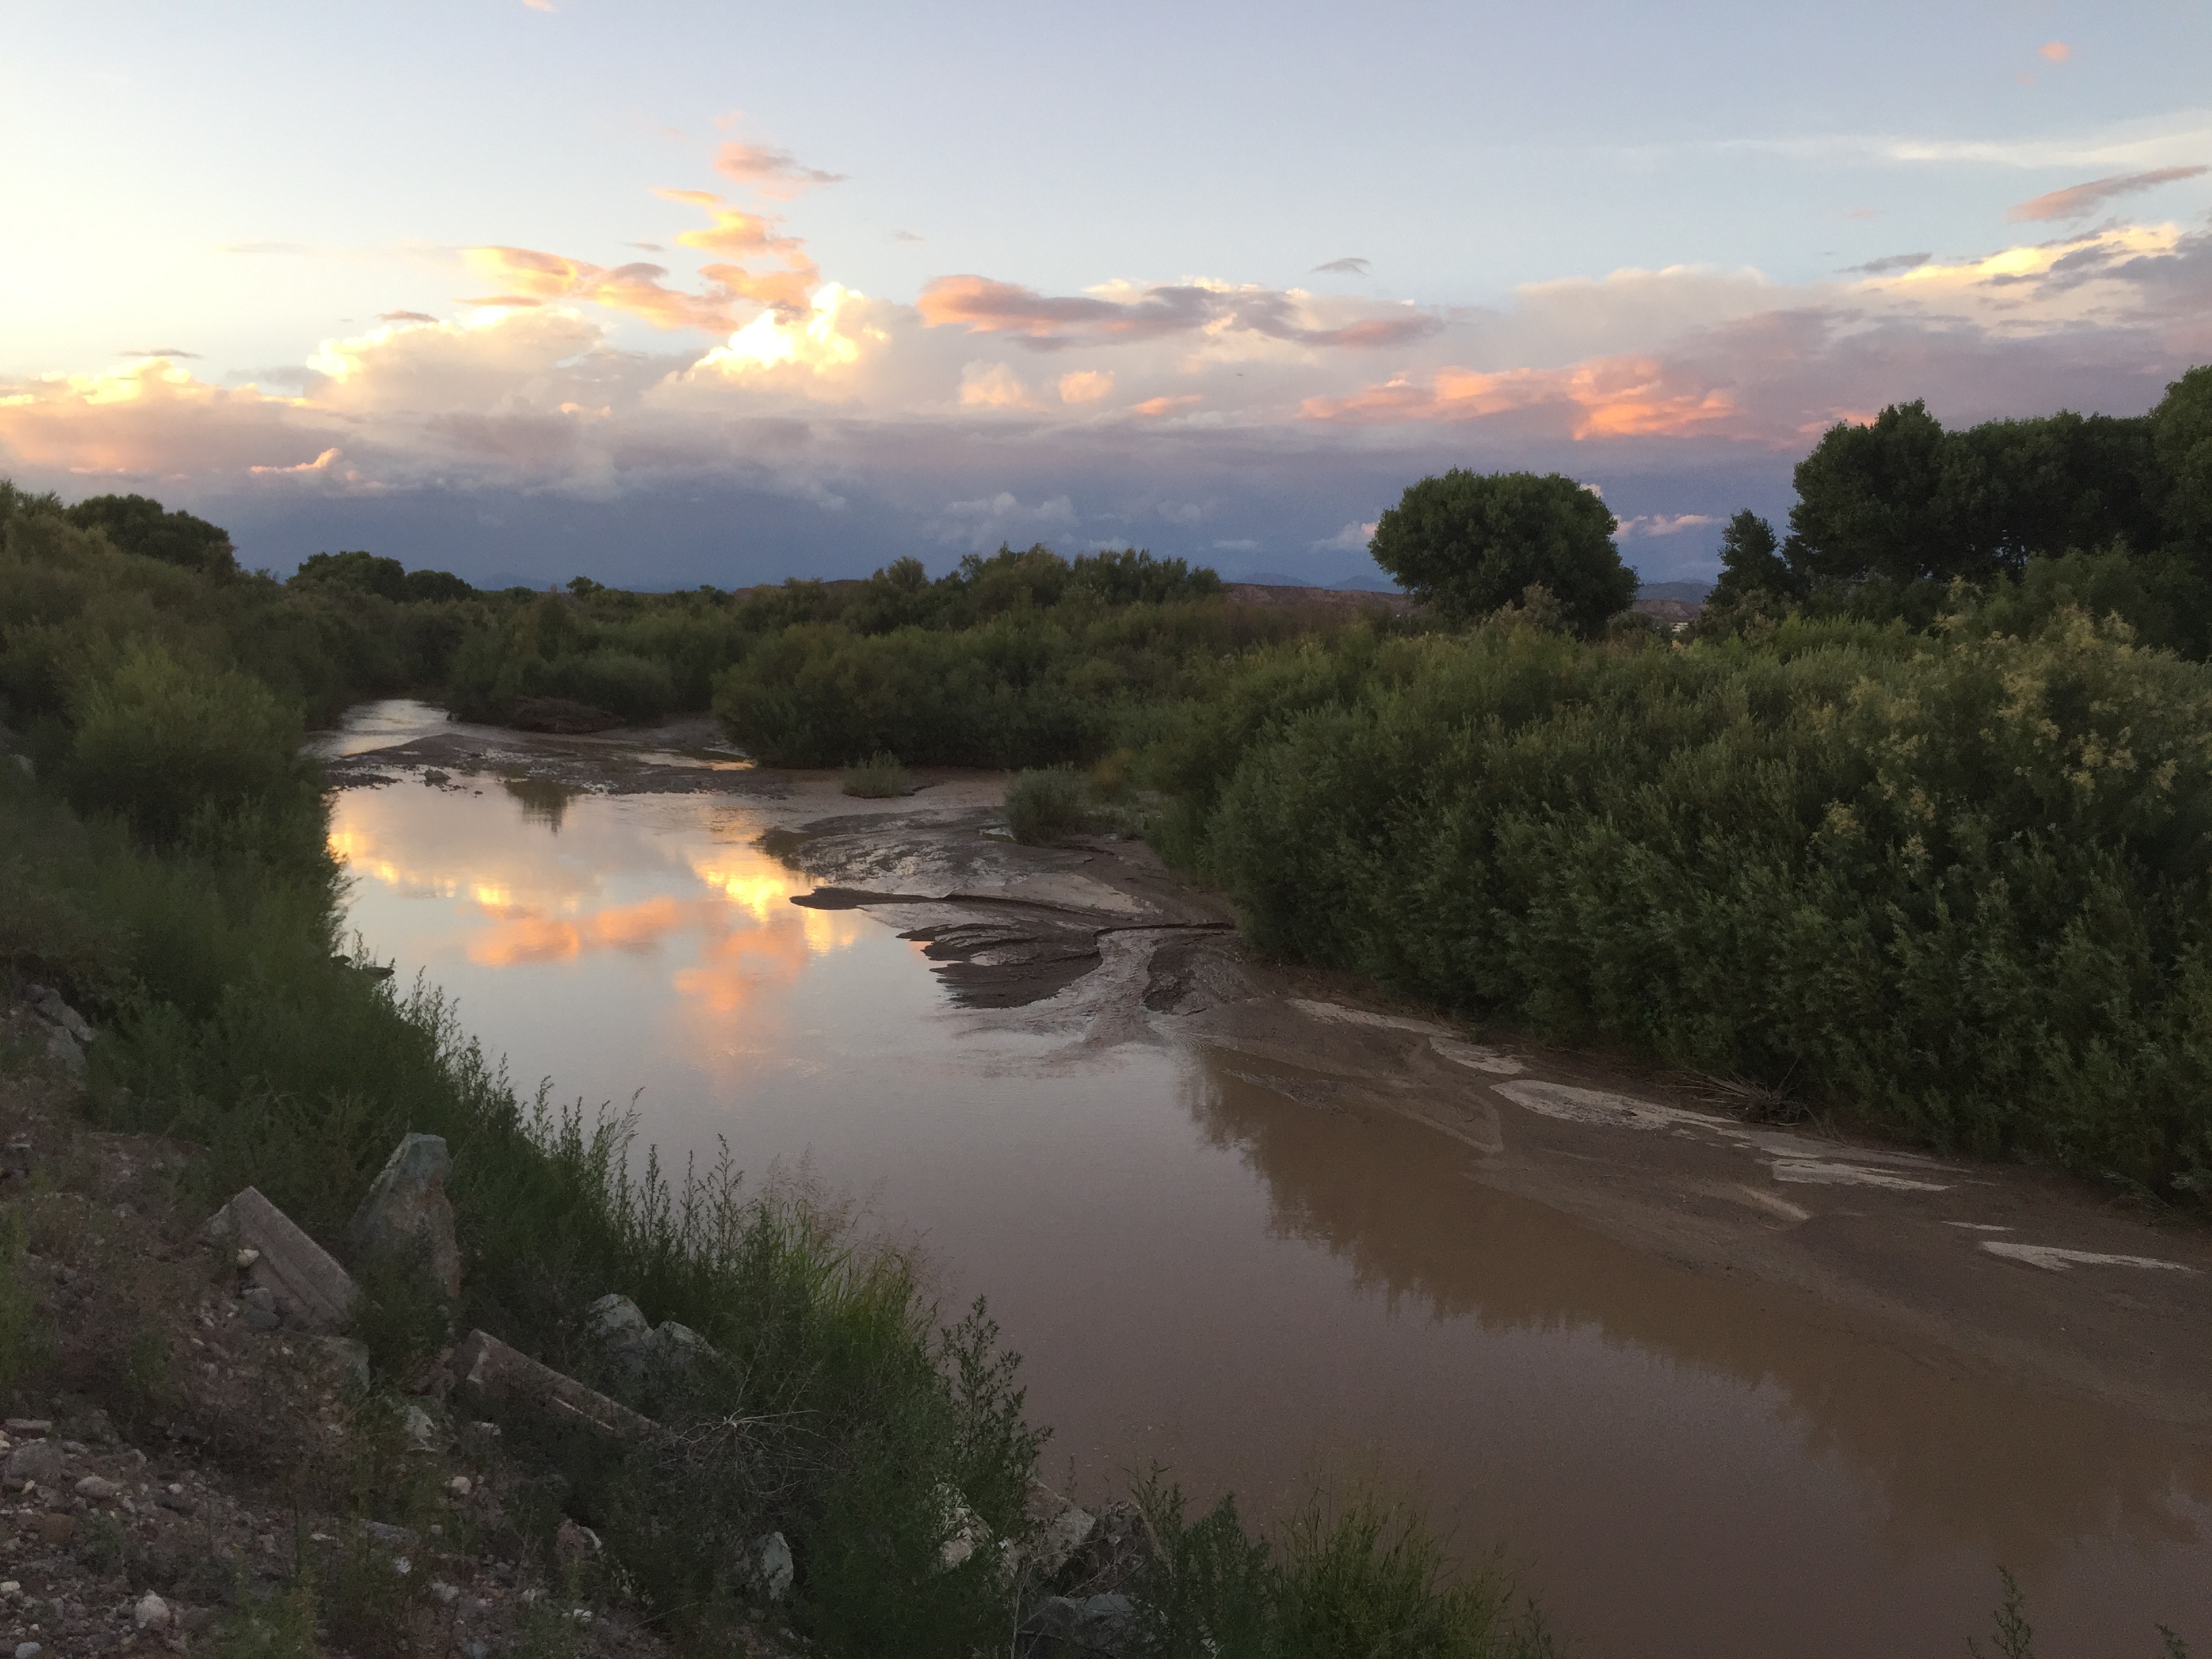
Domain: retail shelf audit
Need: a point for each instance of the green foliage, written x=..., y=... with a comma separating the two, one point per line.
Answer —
x=1955, y=885
x=1365, y=1578
x=1469, y=543
x=137, y=524
x=2181, y=431
x=282, y=1627
x=363, y=572
x=1752, y=561
x=360, y=570
x=172, y=747
x=1028, y=687
x=879, y=777
x=2015, y=1637
x=620, y=681
x=1044, y=804
x=1904, y=501
x=22, y=1348
x=401, y=1315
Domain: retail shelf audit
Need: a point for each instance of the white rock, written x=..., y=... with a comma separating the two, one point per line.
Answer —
x=98, y=1488
x=768, y=1565
x=614, y=1319
x=28, y=1651
x=152, y=1613
x=460, y=1485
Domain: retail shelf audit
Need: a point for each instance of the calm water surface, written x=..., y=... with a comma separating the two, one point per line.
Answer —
x=1199, y=1271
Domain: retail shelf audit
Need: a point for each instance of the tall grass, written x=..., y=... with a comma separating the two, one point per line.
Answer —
x=1044, y=804
x=880, y=777
x=1365, y=1576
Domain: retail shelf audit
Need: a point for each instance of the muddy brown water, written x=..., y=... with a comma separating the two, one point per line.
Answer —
x=1264, y=1295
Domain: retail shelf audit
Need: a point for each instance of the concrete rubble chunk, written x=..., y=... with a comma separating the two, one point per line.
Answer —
x=309, y=1288
x=768, y=1566
x=964, y=1531
x=407, y=1210
x=1054, y=1530
x=576, y=1547
x=1064, y=1625
x=488, y=1369
x=49, y=1007
x=39, y=1460
x=615, y=1320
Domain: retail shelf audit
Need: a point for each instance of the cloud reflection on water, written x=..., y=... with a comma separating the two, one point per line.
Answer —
x=716, y=906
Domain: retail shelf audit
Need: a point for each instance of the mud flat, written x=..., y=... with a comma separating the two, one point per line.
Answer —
x=1723, y=1385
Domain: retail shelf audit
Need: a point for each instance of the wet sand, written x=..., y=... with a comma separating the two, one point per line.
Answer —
x=1720, y=1387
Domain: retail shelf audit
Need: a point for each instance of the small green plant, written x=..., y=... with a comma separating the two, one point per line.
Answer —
x=282, y=1627
x=21, y=1347
x=879, y=777
x=1044, y=804
x=1366, y=1577
x=400, y=1316
x=2015, y=1638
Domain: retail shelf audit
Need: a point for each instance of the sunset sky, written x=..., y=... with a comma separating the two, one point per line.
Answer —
x=666, y=294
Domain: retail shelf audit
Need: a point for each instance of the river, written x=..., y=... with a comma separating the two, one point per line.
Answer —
x=1207, y=1265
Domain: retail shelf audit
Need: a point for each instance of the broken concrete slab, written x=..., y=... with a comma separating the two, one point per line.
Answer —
x=488, y=1369
x=309, y=1288
x=407, y=1210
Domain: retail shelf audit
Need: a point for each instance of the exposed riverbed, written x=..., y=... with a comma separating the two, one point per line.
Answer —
x=1719, y=1389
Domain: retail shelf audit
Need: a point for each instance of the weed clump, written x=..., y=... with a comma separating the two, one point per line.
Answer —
x=1368, y=1576
x=1042, y=805
x=879, y=777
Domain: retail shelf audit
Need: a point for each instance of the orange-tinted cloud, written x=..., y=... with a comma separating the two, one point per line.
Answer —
x=1086, y=386
x=533, y=277
x=2079, y=201
x=156, y=417
x=774, y=173
x=1606, y=397
x=2054, y=52
x=750, y=236
x=992, y=385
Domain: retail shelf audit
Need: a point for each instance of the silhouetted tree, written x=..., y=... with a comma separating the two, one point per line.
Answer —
x=2181, y=436
x=1468, y=543
x=138, y=523
x=1752, y=561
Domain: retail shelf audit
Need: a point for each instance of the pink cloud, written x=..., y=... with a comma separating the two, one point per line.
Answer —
x=2078, y=201
x=775, y=173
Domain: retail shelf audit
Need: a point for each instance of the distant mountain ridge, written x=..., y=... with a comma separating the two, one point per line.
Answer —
x=1358, y=582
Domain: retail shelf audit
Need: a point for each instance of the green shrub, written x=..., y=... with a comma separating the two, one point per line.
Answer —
x=171, y=745
x=619, y=682
x=1366, y=1578
x=879, y=777
x=23, y=1347
x=1045, y=804
x=1955, y=885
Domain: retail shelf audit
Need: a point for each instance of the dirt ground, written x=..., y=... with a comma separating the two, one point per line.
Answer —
x=183, y=1476
x=1997, y=1270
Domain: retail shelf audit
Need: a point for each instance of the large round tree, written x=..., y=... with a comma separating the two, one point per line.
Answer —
x=1468, y=543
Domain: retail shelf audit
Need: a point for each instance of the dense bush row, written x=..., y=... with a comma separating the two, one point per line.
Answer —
x=1955, y=882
